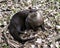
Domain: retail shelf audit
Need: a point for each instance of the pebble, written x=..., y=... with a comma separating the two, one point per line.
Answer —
x=32, y=46
x=39, y=40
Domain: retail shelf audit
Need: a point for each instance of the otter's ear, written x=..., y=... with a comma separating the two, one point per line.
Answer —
x=29, y=7
x=33, y=10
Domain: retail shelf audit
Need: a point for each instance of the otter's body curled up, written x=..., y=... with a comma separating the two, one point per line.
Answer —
x=17, y=24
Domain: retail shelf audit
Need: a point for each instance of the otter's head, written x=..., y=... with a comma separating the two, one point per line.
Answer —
x=35, y=19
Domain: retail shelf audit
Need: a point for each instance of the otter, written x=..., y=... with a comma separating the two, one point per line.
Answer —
x=17, y=24
x=25, y=20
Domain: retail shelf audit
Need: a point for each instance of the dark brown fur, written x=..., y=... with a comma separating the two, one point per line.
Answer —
x=17, y=24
